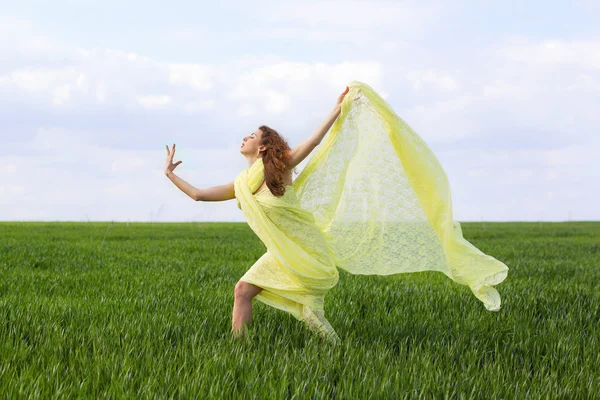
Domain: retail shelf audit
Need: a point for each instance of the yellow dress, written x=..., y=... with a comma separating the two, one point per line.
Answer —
x=298, y=268
x=372, y=199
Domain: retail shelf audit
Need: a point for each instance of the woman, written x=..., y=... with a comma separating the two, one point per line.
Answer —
x=295, y=285
x=373, y=199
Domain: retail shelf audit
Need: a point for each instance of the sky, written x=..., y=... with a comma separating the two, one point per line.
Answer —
x=505, y=93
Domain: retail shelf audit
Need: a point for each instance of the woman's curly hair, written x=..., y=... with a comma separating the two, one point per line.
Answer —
x=275, y=159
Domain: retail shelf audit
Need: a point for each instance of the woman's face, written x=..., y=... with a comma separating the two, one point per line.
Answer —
x=251, y=143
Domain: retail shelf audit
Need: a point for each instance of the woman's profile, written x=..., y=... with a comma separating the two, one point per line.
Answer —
x=373, y=199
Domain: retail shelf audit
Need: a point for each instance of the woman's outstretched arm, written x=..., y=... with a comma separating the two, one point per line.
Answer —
x=301, y=151
x=324, y=127
x=215, y=193
x=185, y=187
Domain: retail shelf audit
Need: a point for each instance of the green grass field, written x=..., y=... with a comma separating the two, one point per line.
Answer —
x=143, y=310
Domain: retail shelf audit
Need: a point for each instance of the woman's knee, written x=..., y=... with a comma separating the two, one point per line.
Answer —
x=246, y=291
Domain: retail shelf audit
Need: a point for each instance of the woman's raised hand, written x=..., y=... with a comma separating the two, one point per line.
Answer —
x=341, y=98
x=169, y=166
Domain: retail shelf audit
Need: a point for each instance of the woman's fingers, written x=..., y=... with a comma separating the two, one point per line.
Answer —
x=341, y=98
x=169, y=152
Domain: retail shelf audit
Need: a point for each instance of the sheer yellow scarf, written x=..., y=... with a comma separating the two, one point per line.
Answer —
x=382, y=196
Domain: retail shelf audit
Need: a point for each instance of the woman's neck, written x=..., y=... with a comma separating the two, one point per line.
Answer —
x=252, y=160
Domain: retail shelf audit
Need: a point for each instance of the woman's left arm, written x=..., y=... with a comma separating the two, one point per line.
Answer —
x=323, y=128
x=301, y=151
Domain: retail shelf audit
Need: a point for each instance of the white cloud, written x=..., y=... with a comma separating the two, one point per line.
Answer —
x=196, y=76
x=52, y=83
x=154, y=101
x=275, y=88
x=440, y=79
x=276, y=102
x=500, y=88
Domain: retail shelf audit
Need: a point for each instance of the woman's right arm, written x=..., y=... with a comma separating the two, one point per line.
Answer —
x=185, y=187
x=216, y=193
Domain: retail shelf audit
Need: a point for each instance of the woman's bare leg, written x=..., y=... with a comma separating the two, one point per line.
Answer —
x=242, y=307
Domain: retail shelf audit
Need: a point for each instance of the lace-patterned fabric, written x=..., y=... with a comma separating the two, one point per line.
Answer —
x=381, y=197
x=372, y=199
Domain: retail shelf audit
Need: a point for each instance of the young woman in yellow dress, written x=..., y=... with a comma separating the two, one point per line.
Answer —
x=290, y=286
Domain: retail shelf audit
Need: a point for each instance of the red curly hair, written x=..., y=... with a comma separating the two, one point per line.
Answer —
x=275, y=159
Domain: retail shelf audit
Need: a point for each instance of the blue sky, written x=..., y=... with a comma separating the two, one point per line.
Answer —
x=505, y=93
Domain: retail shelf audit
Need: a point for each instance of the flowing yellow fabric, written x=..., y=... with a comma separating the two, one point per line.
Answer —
x=372, y=199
